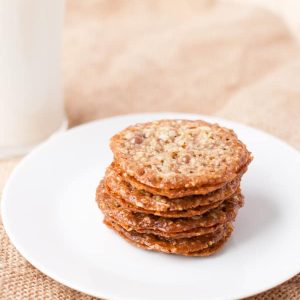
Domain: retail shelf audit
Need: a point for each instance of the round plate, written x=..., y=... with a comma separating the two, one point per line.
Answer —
x=50, y=214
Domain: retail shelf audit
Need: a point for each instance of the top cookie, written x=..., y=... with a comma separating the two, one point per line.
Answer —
x=172, y=154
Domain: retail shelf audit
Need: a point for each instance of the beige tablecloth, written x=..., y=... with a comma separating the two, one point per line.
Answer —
x=238, y=62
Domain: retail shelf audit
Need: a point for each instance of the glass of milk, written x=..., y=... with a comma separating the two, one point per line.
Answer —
x=31, y=99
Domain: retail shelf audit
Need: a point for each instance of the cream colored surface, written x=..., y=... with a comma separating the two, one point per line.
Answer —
x=230, y=60
x=289, y=10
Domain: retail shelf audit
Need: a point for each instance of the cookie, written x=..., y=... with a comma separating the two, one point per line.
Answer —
x=138, y=221
x=180, y=154
x=174, y=235
x=179, y=193
x=195, y=246
x=141, y=200
x=197, y=211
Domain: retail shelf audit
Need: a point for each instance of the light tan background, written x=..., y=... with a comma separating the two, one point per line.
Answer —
x=231, y=60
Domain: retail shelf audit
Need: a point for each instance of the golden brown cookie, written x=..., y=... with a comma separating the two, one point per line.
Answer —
x=179, y=193
x=143, y=201
x=138, y=221
x=214, y=248
x=195, y=246
x=197, y=211
x=180, y=154
x=174, y=235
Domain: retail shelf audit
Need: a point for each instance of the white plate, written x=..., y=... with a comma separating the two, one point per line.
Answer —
x=50, y=215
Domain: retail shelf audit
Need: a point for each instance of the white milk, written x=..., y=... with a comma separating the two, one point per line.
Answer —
x=31, y=106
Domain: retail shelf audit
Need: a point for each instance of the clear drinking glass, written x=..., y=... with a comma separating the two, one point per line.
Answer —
x=31, y=99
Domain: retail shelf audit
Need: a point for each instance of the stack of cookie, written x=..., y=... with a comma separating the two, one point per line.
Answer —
x=174, y=185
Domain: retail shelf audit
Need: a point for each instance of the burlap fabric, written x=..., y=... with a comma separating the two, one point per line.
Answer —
x=228, y=60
